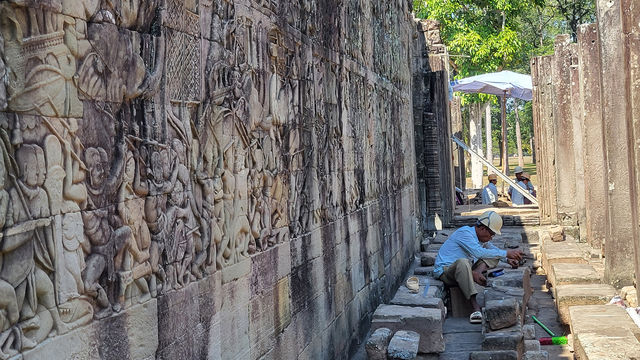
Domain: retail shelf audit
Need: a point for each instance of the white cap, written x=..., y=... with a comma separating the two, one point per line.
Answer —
x=518, y=170
x=492, y=220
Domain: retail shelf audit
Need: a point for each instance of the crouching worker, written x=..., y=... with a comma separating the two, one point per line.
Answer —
x=467, y=253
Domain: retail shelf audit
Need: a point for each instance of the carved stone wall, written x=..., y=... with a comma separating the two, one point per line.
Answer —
x=191, y=179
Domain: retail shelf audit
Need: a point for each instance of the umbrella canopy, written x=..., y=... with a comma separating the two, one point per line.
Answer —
x=505, y=82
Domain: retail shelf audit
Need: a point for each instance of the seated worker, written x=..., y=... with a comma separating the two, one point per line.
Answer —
x=516, y=197
x=490, y=192
x=469, y=245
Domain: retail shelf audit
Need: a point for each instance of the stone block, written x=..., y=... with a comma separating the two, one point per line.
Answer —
x=536, y=355
x=424, y=244
x=563, y=274
x=616, y=344
x=561, y=252
x=426, y=322
x=428, y=258
x=556, y=233
x=423, y=270
x=500, y=314
x=512, y=278
x=405, y=298
x=494, y=355
x=531, y=345
x=506, y=292
x=607, y=317
x=504, y=339
x=460, y=306
x=378, y=343
x=529, y=331
x=404, y=345
x=433, y=248
x=441, y=237
x=581, y=294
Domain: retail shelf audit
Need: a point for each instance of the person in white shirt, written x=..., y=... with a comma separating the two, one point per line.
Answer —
x=467, y=253
x=516, y=197
x=490, y=192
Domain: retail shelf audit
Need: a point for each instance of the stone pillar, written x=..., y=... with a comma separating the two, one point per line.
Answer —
x=458, y=155
x=619, y=243
x=595, y=169
x=631, y=31
x=475, y=138
x=578, y=150
x=564, y=160
x=487, y=131
x=544, y=137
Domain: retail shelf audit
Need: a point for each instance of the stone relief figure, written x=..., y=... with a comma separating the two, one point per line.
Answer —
x=260, y=207
x=28, y=251
x=242, y=229
x=161, y=179
x=226, y=252
x=133, y=259
x=42, y=71
x=104, y=229
x=3, y=77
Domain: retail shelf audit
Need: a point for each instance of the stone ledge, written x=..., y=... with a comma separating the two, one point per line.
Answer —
x=426, y=322
x=565, y=274
x=582, y=294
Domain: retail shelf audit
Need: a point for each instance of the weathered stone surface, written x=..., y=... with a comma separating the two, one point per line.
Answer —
x=378, y=343
x=529, y=331
x=518, y=278
x=531, y=345
x=504, y=339
x=563, y=274
x=410, y=299
x=607, y=317
x=536, y=355
x=404, y=345
x=428, y=258
x=494, y=355
x=588, y=294
x=426, y=322
x=616, y=344
x=424, y=270
x=561, y=252
x=500, y=314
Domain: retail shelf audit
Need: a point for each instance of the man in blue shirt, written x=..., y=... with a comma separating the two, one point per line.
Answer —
x=490, y=192
x=470, y=245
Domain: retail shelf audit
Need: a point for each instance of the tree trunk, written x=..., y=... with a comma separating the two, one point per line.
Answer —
x=505, y=147
x=518, y=136
x=475, y=137
x=533, y=150
x=488, y=132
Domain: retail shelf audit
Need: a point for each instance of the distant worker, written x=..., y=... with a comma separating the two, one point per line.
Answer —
x=467, y=254
x=518, y=171
x=516, y=197
x=490, y=192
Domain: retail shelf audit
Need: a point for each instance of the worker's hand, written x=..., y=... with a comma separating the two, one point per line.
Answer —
x=478, y=278
x=515, y=254
x=514, y=263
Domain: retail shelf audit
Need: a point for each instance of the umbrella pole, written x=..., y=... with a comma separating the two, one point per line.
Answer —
x=505, y=154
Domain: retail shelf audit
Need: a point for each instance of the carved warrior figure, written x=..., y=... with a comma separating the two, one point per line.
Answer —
x=27, y=252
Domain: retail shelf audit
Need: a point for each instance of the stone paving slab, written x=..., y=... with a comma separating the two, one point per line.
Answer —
x=600, y=318
x=564, y=274
x=616, y=344
x=406, y=298
x=426, y=322
x=561, y=252
x=404, y=345
x=581, y=294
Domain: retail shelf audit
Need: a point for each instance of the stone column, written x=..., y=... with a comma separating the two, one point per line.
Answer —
x=458, y=155
x=619, y=243
x=475, y=137
x=578, y=150
x=595, y=169
x=564, y=160
x=544, y=136
x=631, y=31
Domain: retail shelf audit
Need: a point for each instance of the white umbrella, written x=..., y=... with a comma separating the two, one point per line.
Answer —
x=514, y=84
x=504, y=84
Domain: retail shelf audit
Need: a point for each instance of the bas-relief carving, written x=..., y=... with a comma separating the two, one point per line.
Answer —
x=140, y=155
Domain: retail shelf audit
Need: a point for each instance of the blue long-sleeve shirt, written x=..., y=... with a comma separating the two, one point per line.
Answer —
x=464, y=243
x=489, y=194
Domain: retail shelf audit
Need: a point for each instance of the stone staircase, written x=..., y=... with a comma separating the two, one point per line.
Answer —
x=597, y=330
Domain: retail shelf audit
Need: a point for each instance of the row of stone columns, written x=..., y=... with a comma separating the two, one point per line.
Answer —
x=587, y=131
